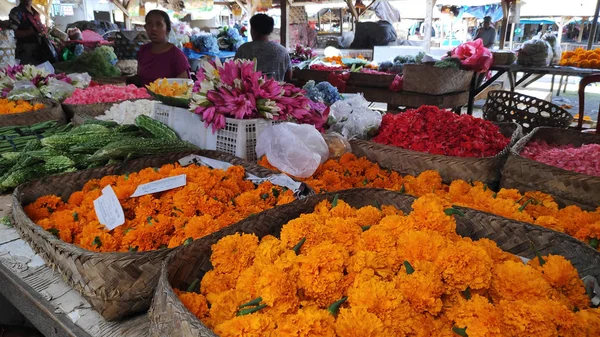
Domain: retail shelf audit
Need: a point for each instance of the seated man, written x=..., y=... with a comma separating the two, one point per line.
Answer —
x=272, y=59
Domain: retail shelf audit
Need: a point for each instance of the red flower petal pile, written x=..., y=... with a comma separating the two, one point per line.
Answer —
x=429, y=129
x=584, y=159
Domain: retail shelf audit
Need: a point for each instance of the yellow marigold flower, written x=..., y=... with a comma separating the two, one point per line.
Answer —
x=395, y=225
x=479, y=316
x=511, y=194
x=388, y=210
x=586, y=323
x=268, y=251
x=358, y=321
x=427, y=182
x=422, y=289
x=200, y=226
x=377, y=262
x=307, y=322
x=516, y=281
x=464, y=265
x=309, y=226
x=342, y=210
x=428, y=213
x=234, y=253
x=549, y=222
x=493, y=251
x=246, y=283
x=195, y=303
x=345, y=232
x=423, y=245
x=564, y=278
x=377, y=296
x=215, y=281
x=278, y=291
x=321, y=271
x=526, y=318
x=224, y=306
x=368, y=216
x=254, y=325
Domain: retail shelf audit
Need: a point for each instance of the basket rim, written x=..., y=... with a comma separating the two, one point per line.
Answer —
x=18, y=207
x=516, y=152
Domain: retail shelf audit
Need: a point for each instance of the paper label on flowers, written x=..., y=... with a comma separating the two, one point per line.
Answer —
x=108, y=209
x=160, y=185
x=199, y=160
x=277, y=179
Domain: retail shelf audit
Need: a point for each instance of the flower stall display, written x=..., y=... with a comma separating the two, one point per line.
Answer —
x=584, y=159
x=173, y=91
x=28, y=82
x=375, y=271
x=397, y=65
x=106, y=94
x=301, y=54
x=210, y=200
x=14, y=107
x=99, y=62
x=532, y=207
x=229, y=39
x=473, y=56
x=429, y=129
x=581, y=58
x=126, y=112
x=235, y=89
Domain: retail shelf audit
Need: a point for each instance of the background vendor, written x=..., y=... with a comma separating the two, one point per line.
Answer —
x=272, y=59
x=28, y=33
x=159, y=58
x=487, y=33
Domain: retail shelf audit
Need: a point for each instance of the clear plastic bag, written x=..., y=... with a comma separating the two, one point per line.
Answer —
x=57, y=89
x=46, y=66
x=353, y=119
x=25, y=90
x=338, y=144
x=295, y=149
x=80, y=80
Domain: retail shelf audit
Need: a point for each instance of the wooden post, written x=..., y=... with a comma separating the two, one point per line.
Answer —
x=505, y=13
x=581, y=28
x=592, y=36
x=512, y=36
x=561, y=27
x=428, y=24
x=283, y=27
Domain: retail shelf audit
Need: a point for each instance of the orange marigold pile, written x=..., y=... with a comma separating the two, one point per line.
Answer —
x=346, y=272
x=532, y=207
x=581, y=58
x=13, y=107
x=211, y=199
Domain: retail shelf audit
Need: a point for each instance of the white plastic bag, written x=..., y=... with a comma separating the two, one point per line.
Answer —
x=47, y=67
x=353, y=118
x=80, y=80
x=57, y=89
x=24, y=90
x=295, y=149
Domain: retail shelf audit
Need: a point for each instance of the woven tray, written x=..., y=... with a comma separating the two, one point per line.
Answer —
x=116, y=284
x=86, y=109
x=168, y=316
x=52, y=111
x=567, y=187
x=371, y=80
x=486, y=170
x=81, y=115
x=427, y=79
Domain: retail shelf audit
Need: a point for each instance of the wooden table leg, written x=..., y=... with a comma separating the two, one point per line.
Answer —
x=559, y=85
x=552, y=85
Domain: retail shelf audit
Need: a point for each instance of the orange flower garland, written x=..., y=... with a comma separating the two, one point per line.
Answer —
x=581, y=58
x=532, y=207
x=344, y=279
x=211, y=200
x=13, y=107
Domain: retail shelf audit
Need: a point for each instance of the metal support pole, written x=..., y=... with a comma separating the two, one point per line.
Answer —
x=592, y=36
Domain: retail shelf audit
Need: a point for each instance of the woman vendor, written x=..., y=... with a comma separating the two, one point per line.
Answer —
x=29, y=32
x=159, y=58
x=272, y=58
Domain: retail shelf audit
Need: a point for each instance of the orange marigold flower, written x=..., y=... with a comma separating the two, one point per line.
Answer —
x=255, y=325
x=224, y=306
x=307, y=322
x=464, y=265
x=358, y=321
x=479, y=316
x=195, y=303
x=516, y=281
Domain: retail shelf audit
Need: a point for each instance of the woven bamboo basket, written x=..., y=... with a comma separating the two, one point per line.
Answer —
x=486, y=170
x=502, y=57
x=116, y=284
x=86, y=109
x=51, y=112
x=427, y=79
x=371, y=80
x=567, y=187
x=168, y=316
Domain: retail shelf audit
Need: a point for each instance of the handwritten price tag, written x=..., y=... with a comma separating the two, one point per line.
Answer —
x=160, y=185
x=108, y=209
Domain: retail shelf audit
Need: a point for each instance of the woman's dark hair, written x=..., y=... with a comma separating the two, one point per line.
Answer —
x=164, y=15
x=262, y=24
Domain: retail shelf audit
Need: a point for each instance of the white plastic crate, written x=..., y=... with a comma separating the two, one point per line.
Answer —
x=238, y=137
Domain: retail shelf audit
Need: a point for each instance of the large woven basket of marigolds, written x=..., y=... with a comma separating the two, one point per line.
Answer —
x=563, y=163
x=116, y=270
x=427, y=138
x=20, y=112
x=371, y=262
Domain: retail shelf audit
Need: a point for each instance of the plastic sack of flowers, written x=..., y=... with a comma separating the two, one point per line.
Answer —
x=205, y=43
x=353, y=118
x=229, y=39
x=235, y=89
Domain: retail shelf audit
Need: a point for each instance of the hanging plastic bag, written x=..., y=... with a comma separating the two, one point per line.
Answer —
x=24, y=90
x=295, y=149
x=57, y=90
x=338, y=144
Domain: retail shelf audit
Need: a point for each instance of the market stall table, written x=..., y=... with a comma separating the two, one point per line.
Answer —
x=41, y=295
x=530, y=75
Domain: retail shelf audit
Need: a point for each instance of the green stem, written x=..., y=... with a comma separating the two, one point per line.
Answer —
x=335, y=307
x=335, y=200
x=402, y=189
x=252, y=303
x=461, y=332
x=594, y=243
x=193, y=286
x=365, y=228
x=537, y=253
x=452, y=211
x=409, y=268
x=249, y=311
x=297, y=247
x=522, y=208
x=467, y=293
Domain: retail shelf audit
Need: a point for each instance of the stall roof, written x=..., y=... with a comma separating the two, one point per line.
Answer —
x=545, y=8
